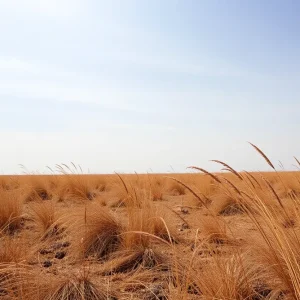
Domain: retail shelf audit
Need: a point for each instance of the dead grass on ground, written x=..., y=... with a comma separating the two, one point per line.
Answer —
x=198, y=235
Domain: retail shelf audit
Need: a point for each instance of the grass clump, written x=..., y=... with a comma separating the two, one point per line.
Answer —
x=80, y=286
x=11, y=211
x=225, y=205
x=97, y=232
x=47, y=220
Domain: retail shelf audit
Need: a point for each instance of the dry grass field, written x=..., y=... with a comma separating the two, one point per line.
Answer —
x=176, y=236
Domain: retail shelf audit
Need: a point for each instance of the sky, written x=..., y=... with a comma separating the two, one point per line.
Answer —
x=148, y=86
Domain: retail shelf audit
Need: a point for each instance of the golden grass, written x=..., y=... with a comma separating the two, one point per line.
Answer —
x=45, y=218
x=10, y=211
x=96, y=232
x=229, y=235
x=77, y=286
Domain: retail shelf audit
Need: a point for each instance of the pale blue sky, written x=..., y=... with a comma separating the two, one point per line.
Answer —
x=134, y=85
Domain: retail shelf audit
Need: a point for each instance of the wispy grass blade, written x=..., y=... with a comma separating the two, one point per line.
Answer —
x=263, y=155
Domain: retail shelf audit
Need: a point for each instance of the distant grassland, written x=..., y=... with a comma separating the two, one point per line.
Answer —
x=199, y=235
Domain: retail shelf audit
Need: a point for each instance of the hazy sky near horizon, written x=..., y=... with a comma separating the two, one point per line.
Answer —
x=136, y=85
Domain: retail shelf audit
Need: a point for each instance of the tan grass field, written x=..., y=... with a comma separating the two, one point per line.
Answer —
x=175, y=236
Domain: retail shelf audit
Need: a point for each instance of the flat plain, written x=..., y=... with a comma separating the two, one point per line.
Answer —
x=197, y=235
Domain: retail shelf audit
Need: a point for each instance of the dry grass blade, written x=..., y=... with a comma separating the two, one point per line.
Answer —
x=167, y=229
x=179, y=216
x=123, y=182
x=74, y=166
x=298, y=162
x=188, y=188
x=281, y=165
x=228, y=168
x=232, y=185
x=253, y=178
x=135, y=261
x=206, y=172
x=68, y=168
x=273, y=191
x=263, y=155
x=60, y=169
x=249, y=179
x=148, y=235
